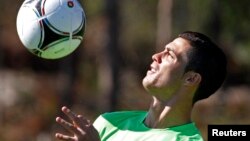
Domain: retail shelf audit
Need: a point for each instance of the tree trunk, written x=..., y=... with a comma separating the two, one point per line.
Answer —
x=164, y=23
x=109, y=65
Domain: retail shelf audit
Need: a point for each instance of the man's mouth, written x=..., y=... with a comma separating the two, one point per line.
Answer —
x=152, y=69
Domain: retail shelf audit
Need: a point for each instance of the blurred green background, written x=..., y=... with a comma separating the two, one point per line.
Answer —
x=105, y=72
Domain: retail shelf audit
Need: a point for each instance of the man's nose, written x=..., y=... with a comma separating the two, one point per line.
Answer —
x=157, y=57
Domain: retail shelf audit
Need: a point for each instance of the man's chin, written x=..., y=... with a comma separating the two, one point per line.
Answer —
x=147, y=83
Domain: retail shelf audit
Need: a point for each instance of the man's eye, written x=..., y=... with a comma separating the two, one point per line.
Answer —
x=170, y=57
x=173, y=55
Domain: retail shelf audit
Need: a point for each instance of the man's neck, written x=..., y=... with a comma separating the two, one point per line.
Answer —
x=168, y=114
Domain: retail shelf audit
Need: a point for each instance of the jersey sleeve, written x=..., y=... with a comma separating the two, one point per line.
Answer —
x=99, y=125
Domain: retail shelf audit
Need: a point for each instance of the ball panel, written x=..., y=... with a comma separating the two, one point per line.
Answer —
x=51, y=6
x=60, y=48
x=78, y=16
x=29, y=28
x=64, y=20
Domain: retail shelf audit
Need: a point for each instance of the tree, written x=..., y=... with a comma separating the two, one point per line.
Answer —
x=164, y=23
x=109, y=65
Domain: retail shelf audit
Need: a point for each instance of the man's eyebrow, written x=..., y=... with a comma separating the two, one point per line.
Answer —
x=169, y=48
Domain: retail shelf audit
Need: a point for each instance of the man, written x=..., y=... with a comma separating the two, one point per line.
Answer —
x=189, y=69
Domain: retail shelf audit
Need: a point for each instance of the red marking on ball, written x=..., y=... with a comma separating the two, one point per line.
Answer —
x=70, y=4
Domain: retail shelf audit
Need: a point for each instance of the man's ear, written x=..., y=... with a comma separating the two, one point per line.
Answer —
x=192, y=78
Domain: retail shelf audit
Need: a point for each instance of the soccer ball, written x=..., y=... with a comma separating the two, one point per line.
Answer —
x=51, y=29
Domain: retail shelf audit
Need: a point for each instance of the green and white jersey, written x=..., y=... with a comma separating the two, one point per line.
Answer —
x=129, y=126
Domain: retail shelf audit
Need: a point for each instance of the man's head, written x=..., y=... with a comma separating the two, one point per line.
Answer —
x=207, y=59
x=192, y=57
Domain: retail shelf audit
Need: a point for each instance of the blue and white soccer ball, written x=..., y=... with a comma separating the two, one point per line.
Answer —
x=51, y=29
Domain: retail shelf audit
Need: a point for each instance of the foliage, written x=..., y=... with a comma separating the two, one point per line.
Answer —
x=32, y=90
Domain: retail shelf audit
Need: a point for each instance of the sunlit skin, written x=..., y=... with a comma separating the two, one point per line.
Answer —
x=80, y=128
x=166, y=71
x=172, y=91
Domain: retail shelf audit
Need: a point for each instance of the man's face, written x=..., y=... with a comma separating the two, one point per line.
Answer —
x=166, y=71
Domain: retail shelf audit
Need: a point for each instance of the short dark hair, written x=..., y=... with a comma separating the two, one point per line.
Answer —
x=207, y=59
